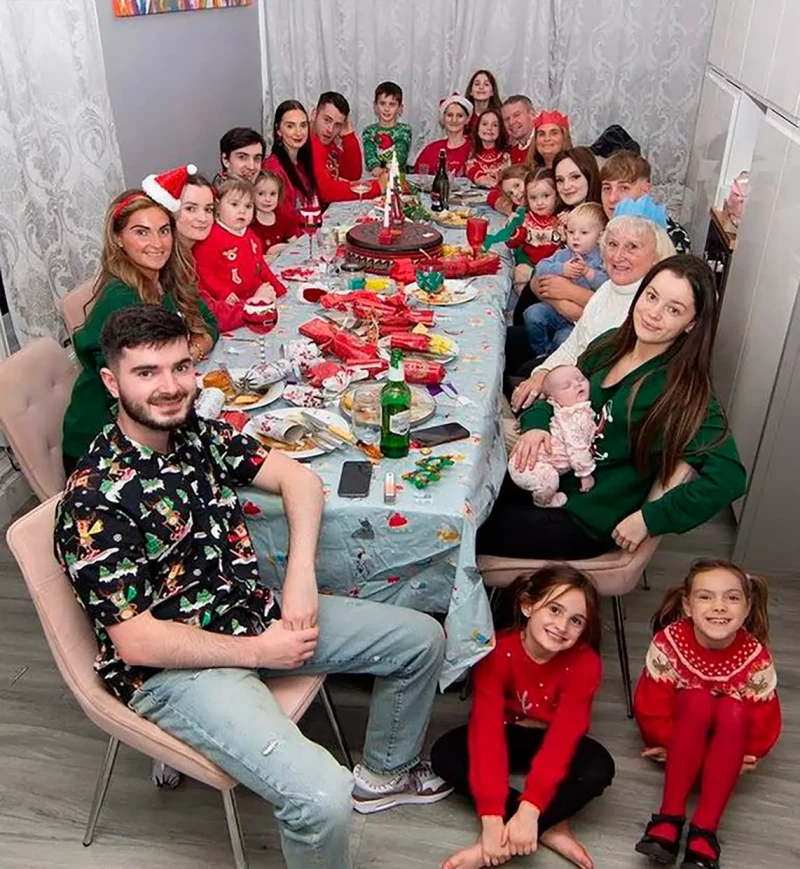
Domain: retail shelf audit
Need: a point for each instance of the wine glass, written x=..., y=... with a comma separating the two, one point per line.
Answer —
x=311, y=220
x=361, y=186
x=477, y=230
x=328, y=247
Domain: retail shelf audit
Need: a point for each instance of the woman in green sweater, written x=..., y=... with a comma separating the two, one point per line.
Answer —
x=140, y=264
x=651, y=389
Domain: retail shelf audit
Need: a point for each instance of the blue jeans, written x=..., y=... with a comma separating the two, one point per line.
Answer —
x=231, y=717
x=546, y=328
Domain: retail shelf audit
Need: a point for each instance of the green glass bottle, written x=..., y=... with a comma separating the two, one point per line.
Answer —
x=395, y=411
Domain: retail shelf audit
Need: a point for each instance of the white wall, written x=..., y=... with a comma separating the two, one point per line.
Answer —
x=757, y=43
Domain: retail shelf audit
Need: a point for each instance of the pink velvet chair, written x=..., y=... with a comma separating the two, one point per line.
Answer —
x=35, y=388
x=74, y=648
x=614, y=573
x=74, y=306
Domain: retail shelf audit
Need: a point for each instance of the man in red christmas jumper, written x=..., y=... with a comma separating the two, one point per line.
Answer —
x=518, y=117
x=336, y=165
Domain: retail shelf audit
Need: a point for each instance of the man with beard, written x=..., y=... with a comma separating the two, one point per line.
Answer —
x=186, y=631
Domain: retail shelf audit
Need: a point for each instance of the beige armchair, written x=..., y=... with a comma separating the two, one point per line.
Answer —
x=74, y=306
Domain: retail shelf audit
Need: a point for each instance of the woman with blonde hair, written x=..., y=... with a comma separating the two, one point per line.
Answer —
x=551, y=135
x=140, y=264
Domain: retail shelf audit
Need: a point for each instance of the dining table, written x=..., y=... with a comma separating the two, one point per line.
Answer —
x=418, y=551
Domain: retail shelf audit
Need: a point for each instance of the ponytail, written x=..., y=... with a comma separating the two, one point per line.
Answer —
x=671, y=609
x=757, y=594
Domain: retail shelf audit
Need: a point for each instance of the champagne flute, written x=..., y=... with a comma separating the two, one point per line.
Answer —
x=328, y=246
x=477, y=230
x=311, y=214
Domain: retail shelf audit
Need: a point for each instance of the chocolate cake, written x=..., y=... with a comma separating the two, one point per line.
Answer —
x=416, y=241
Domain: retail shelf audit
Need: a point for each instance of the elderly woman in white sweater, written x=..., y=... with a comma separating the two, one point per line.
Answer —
x=634, y=241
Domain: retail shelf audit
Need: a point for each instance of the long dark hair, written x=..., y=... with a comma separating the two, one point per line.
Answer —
x=534, y=589
x=755, y=590
x=586, y=162
x=495, y=103
x=502, y=140
x=681, y=408
x=307, y=186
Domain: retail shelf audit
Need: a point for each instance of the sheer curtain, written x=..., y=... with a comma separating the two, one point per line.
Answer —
x=59, y=160
x=634, y=62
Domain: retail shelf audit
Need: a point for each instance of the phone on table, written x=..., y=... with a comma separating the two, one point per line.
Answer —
x=439, y=434
x=355, y=479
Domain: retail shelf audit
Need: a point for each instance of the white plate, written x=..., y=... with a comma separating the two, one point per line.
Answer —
x=385, y=352
x=274, y=392
x=455, y=292
x=296, y=415
x=299, y=293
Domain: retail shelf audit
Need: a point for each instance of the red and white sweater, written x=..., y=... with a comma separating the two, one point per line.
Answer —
x=539, y=237
x=485, y=161
x=227, y=264
x=509, y=686
x=676, y=661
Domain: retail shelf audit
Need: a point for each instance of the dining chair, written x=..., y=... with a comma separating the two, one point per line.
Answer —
x=35, y=388
x=75, y=305
x=74, y=647
x=614, y=573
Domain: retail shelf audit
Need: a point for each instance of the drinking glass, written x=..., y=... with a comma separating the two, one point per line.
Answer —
x=366, y=414
x=327, y=247
x=361, y=186
x=311, y=220
x=477, y=230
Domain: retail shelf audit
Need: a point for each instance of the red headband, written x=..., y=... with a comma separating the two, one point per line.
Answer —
x=551, y=118
x=121, y=206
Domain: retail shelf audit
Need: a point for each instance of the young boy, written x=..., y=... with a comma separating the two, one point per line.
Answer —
x=230, y=262
x=389, y=134
x=241, y=152
x=626, y=175
x=580, y=261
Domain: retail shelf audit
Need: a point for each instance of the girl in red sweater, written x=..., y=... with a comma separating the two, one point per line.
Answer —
x=230, y=262
x=530, y=712
x=489, y=150
x=706, y=703
x=276, y=227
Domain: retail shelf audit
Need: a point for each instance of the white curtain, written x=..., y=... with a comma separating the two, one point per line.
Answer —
x=59, y=160
x=638, y=63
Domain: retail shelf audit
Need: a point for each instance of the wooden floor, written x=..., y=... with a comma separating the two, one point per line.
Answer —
x=51, y=753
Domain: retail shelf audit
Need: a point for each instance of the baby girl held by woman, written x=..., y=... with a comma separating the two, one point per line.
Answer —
x=572, y=431
x=706, y=703
x=530, y=713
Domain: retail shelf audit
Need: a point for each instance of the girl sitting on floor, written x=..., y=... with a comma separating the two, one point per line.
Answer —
x=706, y=703
x=530, y=713
x=490, y=154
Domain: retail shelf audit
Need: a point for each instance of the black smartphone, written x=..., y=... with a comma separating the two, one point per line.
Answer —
x=355, y=479
x=439, y=434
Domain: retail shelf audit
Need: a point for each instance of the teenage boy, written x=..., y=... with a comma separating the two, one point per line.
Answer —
x=155, y=543
x=626, y=175
x=518, y=117
x=388, y=135
x=241, y=153
x=335, y=151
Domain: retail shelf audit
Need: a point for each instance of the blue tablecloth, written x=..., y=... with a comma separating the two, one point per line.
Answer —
x=420, y=551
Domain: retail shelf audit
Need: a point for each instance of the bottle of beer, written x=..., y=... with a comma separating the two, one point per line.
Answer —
x=395, y=411
x=440, y=191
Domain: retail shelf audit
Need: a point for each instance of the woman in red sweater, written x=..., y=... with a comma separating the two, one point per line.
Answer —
x=530, y=712
x=454, y=113
x=706, y=703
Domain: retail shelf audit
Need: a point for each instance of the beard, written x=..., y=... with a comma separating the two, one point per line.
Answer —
x=140, y=412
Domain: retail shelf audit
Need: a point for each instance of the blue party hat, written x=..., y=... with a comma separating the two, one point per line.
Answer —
x=646, y=207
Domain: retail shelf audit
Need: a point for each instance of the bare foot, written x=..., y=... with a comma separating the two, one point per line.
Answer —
x=467, y=858
x=562, y=840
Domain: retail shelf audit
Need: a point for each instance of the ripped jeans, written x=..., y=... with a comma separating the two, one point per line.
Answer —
x=231, y=717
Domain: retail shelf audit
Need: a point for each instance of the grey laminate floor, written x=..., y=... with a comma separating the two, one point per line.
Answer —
x=50, y=753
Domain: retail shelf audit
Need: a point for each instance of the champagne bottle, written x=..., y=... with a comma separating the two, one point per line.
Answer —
x=395, y=411
x=440, y=191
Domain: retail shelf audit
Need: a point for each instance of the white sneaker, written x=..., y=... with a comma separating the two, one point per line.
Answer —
x=418, y=785
x=164, y=776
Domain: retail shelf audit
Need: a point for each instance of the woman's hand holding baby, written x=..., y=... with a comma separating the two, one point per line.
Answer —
x=526, y=450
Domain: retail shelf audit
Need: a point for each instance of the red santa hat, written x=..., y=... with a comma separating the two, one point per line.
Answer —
x=458, y=100
x=166, y=189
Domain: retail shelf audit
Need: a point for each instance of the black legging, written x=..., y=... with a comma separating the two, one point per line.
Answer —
x=589, y=774
x=517, y=528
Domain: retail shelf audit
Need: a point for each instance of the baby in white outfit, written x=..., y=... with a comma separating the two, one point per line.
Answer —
x=572, y=431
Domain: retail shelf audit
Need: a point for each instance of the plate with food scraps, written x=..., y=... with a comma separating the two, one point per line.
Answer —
x=455, y=218
x=423, y=405
x=304, y=447
x=443, y=348
x=237, y=397
x=454, y=292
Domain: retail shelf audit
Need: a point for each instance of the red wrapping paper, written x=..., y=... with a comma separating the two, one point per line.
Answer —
x=423, y=371
x=409, y=341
